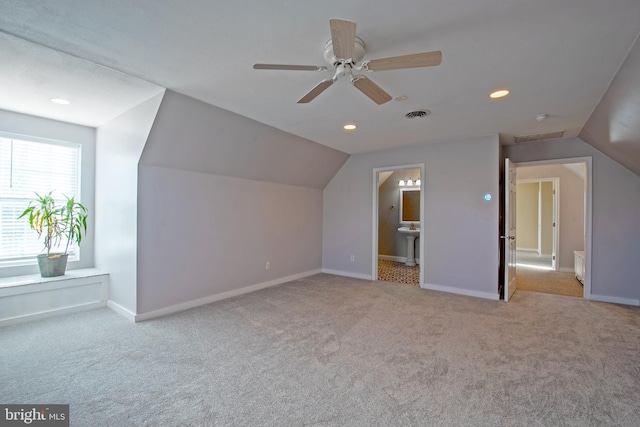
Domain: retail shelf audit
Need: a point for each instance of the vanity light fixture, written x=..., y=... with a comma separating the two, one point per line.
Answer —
x=410, y=182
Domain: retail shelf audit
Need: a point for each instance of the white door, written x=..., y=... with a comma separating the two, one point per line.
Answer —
x=510, y=229
x=554, y=250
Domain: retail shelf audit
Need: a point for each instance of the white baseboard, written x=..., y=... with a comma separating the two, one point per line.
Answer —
x=615, y=300
x=51, y=313
x=527, y=249
x=347, y=274
x=460, y=291
x=121, y=310
x=396, y=258
x=218, y=297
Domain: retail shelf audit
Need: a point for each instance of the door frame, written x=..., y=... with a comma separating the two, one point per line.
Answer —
x=374, y=208
x=555, y=182
x=588, y=209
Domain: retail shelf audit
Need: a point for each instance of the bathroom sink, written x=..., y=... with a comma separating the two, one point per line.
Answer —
x=406, y=231
x=411, y=238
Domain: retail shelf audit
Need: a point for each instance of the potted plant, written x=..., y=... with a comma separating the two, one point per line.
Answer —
x=58, y=223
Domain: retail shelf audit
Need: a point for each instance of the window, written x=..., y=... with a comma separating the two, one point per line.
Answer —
x=26, y=166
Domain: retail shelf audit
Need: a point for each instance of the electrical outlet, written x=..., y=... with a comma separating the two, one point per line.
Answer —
x=353, y=258
x=267, y=266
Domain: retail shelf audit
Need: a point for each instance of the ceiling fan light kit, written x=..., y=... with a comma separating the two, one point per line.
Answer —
x=343, y=52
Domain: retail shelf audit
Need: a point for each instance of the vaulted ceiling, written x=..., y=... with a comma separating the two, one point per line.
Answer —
x=558, y=58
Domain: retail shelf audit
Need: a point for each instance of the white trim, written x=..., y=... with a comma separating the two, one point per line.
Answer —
x=396, y=258
x=588, y=211
x=29, y=283
x=526, y=249
x=31, y=297
x=615, y=300
x=374, y=222
x=347, y=274
x=51, y=313
x=460, y=291
x=221, y=296
x=121, y=310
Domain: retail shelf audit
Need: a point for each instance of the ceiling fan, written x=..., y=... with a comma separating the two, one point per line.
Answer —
x=344, y=52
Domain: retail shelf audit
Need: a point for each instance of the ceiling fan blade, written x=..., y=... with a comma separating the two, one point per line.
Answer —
x=320, y=87
x=289, y=67
x=371, y=89
x=425, y=59
x=343, y=38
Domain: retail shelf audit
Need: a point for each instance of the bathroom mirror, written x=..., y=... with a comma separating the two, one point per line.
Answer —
x=409, y=205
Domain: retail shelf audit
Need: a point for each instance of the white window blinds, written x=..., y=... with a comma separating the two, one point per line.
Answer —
x=27, y=167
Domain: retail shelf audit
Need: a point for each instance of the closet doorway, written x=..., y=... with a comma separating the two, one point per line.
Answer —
x=552, y=227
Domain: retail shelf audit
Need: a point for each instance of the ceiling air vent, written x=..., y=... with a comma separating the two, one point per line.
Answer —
x=539, y=136
x=418, y=114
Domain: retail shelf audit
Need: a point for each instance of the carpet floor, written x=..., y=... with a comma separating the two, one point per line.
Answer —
x=549, y=282
x=335, y=351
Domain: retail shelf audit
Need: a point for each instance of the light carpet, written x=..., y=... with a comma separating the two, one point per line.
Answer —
x=334, y=351
x=550, y=282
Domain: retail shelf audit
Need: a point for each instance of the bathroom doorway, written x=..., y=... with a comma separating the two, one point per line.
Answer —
x=398, y=202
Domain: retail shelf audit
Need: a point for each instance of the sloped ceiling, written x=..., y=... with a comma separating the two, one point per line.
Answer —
x=191, y=135
x=614, y=126
x=557, y=57
x=30, y=74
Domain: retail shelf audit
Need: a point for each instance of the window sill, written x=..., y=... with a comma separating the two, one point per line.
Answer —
x=34, y=279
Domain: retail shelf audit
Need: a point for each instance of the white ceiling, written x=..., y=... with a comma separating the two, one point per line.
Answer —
x=557, y=57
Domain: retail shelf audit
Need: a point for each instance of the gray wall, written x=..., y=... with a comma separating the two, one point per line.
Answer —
x=615, y=219
x=202, y=234
x=119, y=146
x=571, y=208
x=459, y=227
x=219, y=196
x=22, y=124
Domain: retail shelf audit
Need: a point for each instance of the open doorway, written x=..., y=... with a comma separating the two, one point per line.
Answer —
x=397, y=223
x=537, y=223
x=546, y=262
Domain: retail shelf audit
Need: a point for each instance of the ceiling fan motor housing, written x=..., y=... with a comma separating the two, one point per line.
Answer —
x=358, y=52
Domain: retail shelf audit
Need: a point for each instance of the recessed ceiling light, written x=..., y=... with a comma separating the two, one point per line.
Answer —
x=401, y=98
x=60, y=101
x=349, y=126
x=501, y=93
